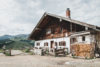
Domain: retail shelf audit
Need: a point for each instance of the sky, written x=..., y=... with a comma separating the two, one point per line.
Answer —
x=21, y=16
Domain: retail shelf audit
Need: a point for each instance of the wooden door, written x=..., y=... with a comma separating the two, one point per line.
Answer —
x=52, y=44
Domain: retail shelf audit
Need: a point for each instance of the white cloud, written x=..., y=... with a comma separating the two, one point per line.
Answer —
x=21, y=16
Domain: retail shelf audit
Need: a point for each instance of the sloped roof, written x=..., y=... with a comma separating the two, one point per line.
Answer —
x=44, y=17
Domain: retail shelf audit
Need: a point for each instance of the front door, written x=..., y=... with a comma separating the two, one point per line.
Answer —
x=52, y=44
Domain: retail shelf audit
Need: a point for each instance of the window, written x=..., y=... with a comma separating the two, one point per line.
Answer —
x=46, y=44
x=55, y=43
x=63, y=43
x=38, y=44
x=83, y=38
x=48, y=31
x=74, y=40
x=61, y=29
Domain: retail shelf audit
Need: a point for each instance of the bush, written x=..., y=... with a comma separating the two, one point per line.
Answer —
x=7, y=54
x=27, y=50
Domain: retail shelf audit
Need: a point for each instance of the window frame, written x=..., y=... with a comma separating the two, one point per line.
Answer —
x=38, y=44
x=62, y=43
x=55, y=43
x=46, y=44
x=83, y=38
x=74, y=40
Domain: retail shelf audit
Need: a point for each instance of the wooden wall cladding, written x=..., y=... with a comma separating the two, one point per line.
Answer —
x=55, y=25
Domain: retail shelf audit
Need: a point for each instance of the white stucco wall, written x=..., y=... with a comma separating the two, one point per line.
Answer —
x=66, y=39
x=87, y=39
x=79, y=40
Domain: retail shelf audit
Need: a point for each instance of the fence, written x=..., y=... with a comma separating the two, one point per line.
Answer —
x=61, y=52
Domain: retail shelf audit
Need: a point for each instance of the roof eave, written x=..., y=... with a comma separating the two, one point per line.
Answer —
x=37, y=25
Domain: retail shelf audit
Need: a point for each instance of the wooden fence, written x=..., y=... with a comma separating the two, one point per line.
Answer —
x=61, y=52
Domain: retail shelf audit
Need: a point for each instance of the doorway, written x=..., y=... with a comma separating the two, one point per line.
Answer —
x=52, y=44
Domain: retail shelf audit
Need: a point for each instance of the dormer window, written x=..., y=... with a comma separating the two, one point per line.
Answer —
x=48, y=31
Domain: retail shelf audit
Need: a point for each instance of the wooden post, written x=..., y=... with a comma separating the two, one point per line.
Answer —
x=10, y=50
x=22, y=47
x=55, y=53
x=4, y=51
x=29, y=48
x=71, y=27
x=75, y=27
x=64, y=52
x=47, y=51
x=71, y=38
x=91, y=45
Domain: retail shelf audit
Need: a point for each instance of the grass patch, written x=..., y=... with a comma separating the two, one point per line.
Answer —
x=31, y=53
x=91, y=58
x=86, y=58
x=27, y=50
x=0, y=51
x=73, y=56
x=7, y=54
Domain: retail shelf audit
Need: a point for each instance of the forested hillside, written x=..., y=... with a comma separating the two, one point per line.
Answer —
x=16, y=42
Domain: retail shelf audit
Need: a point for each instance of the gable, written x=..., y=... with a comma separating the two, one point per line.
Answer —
x=49, y=21
x=58, y=29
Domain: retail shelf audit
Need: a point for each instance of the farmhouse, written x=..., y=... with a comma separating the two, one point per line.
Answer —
x=55, y=31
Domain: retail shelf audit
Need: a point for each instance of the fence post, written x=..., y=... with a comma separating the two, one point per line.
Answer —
x=22, y=47
x=10, y=51
x=55, y=53
x=4, y=51
x=29, y=48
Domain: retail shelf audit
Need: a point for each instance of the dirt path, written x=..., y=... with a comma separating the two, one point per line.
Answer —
x=16, y=52
x=19, y=60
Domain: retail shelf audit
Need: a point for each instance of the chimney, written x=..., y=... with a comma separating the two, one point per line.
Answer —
x=68, y=13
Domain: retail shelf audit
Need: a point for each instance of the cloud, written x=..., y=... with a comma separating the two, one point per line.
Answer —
x=21, y=16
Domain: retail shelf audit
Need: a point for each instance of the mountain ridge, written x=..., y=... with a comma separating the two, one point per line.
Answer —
x=16, y=42
x=12, y=36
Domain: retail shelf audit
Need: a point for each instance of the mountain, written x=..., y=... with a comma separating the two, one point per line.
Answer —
x=16, y=42
x=22, y=35
x=5, y=37
x=10, y=36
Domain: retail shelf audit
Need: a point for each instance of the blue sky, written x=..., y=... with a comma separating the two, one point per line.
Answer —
x=21, y=16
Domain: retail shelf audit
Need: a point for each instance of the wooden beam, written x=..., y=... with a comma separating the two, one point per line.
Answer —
x=46, y=21
x=71, y=27
x=38, y=29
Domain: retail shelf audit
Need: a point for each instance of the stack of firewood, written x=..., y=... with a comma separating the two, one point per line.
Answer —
x=82, y=50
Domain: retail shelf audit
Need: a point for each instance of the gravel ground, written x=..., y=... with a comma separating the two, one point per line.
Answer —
x=19, y=59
